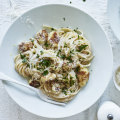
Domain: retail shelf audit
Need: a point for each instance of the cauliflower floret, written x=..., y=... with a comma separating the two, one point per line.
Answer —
x=83, y=76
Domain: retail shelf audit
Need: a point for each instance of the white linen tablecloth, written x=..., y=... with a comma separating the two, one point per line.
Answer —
x=9, y=110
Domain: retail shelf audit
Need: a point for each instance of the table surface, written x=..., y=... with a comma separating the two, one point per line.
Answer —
x=9, y=110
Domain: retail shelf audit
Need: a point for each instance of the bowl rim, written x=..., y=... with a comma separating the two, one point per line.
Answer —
x=72, y=7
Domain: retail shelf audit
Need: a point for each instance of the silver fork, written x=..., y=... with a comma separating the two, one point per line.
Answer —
x=42, y=96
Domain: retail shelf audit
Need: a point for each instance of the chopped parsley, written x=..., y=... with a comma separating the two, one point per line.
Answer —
x=71, y=37
x=72, y=91
x=52, y=29
x=84, y=0
x=69, y=58
x=22, y=56
x=71, y=77
x=66, y=82
x=37, y=56
x=78, y=37
x=46, y=44
x=72, y=51
x=32, y=41
x=41, y=52
x=80, y=48
x=24, y=60
x=64, y=90
x=81, y=38
x=64, y=18
x=70, y=2
x=28, y=65
x=34, y=52
x=75, y=30
x=45, y=72
x=65, y=77
x=72, y=82
x=77, y=69
x=65, y=45
x=38, y=68
x=63, y=56
x=59, y=51
x=45, y=63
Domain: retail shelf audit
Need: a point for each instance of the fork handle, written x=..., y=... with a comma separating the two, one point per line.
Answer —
x=4, y=77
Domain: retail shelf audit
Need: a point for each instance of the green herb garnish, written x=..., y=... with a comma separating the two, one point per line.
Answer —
x=71, y=77
x=46, y=44
x=45, y=72
x=75, y=30
x=45, y=63
x=72, y=51
x=24, y=60
x=41, y=52
x=28, y=65
x=34, y=52
x=70, y=2
x=38, y=68
x=22, y=56
x=78, y=37
x=77, y=69
x=65, y=45
x=59, y=51
x=52, y=29
x=72, y=82
x=63, y=56
x=72, y=91
x=81, y=38
x=64, y=91
x=32, y=41
x=69, y=58
x=64, y=18
x=37, y=56
x=65, y=77
x=84, y=0
x=80, y=48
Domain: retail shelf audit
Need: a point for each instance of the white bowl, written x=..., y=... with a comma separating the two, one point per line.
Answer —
x=25, y=27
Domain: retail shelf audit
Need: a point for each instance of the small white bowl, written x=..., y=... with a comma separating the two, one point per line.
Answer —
x=115, y=79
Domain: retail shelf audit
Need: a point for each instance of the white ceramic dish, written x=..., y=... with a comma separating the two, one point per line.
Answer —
x=25, y=27
x=114, y=16
x=117, y=71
